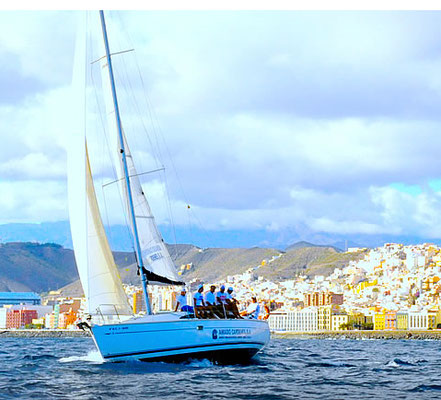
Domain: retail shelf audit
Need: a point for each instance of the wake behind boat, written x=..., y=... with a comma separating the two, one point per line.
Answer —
x=118, y=334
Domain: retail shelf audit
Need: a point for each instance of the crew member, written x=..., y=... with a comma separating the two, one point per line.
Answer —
x=232, y=303
x=252, y=310
x=221, y=301
x=210, y=302
x=181, y=302
x=199, y=303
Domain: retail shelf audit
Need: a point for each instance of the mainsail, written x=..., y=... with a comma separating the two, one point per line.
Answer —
x=96, y=266
x=156, y=258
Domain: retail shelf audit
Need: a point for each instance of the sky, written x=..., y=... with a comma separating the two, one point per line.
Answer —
x=313, y=122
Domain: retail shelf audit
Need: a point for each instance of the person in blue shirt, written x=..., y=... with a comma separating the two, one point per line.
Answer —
x=199, y=303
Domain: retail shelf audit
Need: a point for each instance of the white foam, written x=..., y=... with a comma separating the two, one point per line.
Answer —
x=93, y=356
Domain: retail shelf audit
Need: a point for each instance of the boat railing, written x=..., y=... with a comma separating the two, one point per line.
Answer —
x=108, y=313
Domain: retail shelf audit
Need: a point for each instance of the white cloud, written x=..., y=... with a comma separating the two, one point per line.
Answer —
x=272, y=120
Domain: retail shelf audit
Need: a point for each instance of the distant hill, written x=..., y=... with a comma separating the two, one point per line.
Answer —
x=303, y=244
x=43, y=267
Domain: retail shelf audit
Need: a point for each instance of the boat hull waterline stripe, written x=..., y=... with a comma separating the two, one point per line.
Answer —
x=184, y=348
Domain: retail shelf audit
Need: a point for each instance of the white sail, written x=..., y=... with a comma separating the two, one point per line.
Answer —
x=97, y=269
x=155, y=255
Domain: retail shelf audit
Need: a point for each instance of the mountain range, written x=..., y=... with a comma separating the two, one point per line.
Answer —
x=44, y=267
x=119, y=238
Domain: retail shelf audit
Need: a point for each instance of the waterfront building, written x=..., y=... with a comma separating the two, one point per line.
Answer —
x=421, y=320
x=19, y=318
x=3, y=312
x=402, y=320
x=324, y=319
x=8, y=298
x=379, y=321
x=66, y=319
x=390, y=320
x=337, y=320
x=358, y=320
x=304, y=320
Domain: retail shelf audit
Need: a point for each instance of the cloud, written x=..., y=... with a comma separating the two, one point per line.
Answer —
x=263, y=120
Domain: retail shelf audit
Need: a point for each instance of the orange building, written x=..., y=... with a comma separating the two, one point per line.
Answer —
x=390, y=320
x=66, y=318
x=322, y=299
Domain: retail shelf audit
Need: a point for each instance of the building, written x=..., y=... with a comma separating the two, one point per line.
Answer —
x=3, y=312
x=20, y=318
x=402, y=320
x=8, y=298
x=138, y=302
x=379, y=321
x=358, y=320
x=324, y=319
x=390, y=322
x=337, y=320
x=304, y=320
x=322, y=299
x=66, y=319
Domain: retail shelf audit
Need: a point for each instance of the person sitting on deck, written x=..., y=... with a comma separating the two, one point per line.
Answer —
x=252, y=310
x=266, y=312
x=232, y=303
x=199, y=303
x=221, y=300
x=181, y=302
x=210, y=302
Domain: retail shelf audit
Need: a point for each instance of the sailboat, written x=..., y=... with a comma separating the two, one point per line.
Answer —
x=119, y=335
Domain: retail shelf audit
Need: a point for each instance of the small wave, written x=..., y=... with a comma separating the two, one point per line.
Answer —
x=93, y=356
x=327, y=365
x=426, y=388
x=199, y=363
x=34, y=357
x=399, y=362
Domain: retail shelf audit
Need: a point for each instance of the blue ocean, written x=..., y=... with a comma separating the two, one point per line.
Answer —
x=71, y=368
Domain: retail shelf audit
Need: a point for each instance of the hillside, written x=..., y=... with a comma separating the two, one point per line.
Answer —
x=44, y=267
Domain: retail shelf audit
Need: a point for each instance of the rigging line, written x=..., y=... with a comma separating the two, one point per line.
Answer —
x=131, y=176
x=158, y=156
x=159, y=133
x=103, y=126
x=146, y=130
x=131, y=95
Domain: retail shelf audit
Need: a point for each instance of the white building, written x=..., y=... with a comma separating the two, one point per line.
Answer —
x=304, y=320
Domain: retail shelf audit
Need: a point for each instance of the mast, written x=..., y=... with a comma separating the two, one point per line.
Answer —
x=126, y=171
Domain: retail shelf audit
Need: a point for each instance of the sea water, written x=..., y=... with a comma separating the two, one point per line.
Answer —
x=71, y=368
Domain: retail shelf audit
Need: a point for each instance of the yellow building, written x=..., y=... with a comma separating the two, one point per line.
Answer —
x=324, y=317
x=379, y=321
x=402, y=320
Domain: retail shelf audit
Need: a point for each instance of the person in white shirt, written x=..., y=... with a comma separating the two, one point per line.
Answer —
x=210, y=298
x=181, y=302
x=221, y=301
x=199, y=303
x=252, y=310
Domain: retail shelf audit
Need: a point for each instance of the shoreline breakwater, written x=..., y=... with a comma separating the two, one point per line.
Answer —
x=357, y=335
x=43, y=333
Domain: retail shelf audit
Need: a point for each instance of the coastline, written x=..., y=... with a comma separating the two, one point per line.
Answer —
x=354, y=335
x=43, y=333
x=358, y=335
